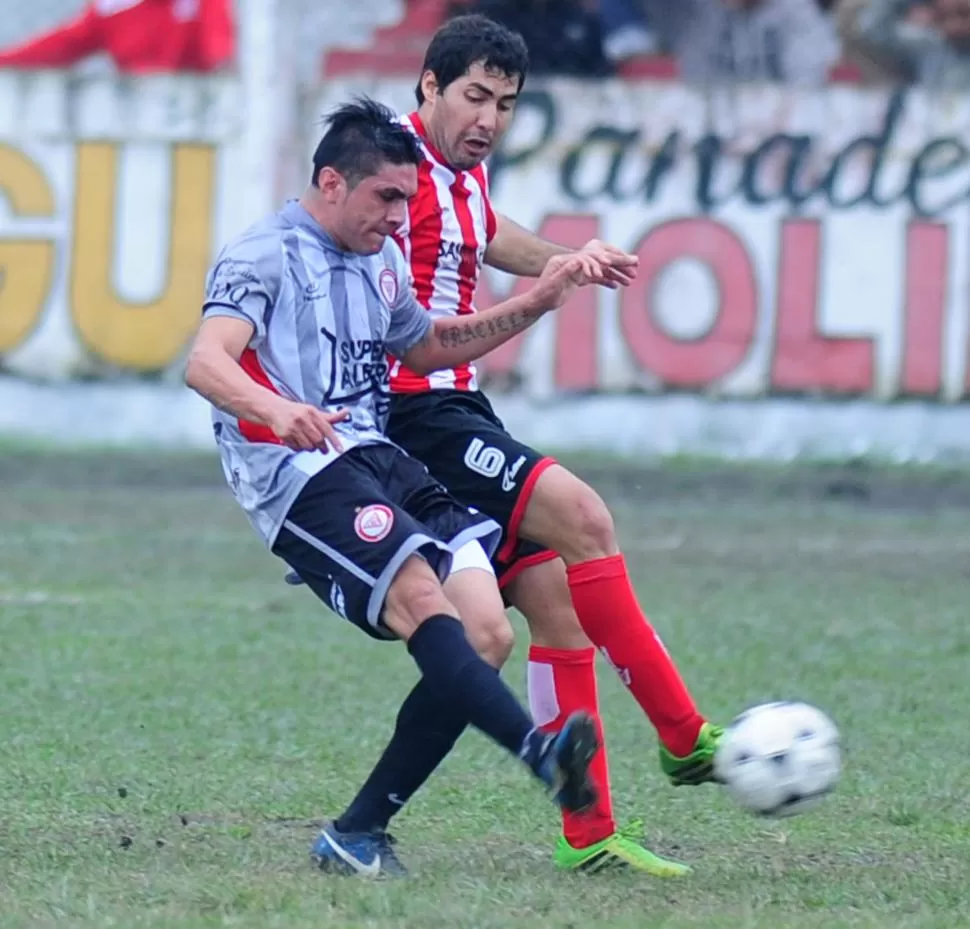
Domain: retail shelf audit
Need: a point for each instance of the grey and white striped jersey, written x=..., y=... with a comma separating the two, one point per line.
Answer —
x=324, y=322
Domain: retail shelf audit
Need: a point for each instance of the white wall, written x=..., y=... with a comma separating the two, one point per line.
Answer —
x=803, y=293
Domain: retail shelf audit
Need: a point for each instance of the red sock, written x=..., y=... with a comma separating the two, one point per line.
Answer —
x=561, y=682
x=608, y=611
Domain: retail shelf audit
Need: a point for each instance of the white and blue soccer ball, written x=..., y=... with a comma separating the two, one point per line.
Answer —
x=779, y=759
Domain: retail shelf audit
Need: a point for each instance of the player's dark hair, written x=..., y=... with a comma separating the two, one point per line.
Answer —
x=472, y=39
x=360, y=137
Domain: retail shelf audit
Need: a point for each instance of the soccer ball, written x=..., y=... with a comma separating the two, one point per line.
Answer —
x=779, y=759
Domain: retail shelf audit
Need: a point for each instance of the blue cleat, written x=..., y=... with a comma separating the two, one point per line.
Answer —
x=564, y=761
x=364, y=854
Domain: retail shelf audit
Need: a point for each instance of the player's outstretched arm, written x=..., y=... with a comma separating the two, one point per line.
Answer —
x=454, y=341
x=516, y=250
x=520, y=252
x=213, y=370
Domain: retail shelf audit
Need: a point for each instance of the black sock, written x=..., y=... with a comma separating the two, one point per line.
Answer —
x=426, y=731
x=463, y=681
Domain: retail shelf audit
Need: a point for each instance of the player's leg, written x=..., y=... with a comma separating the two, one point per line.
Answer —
x=471, y=453
x=561, y=672
x=426, y=729
x=382, y=569
x=418, y=612
x=473, y=589
x=466, y=447
x=471, y=586
x=563, y=513
x=453, y=676
x=562, y=681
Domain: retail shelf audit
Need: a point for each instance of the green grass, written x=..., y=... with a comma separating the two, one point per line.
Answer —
x=176, y=721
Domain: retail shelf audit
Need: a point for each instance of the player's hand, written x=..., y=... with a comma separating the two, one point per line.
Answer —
x=303, y=427
x=620, y=266
x=562, y=275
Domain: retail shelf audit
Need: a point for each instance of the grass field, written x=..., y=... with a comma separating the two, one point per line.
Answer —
x=176, y=721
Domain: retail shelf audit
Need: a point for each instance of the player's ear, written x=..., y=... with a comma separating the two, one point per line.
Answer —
x=331, y=184
x=429, y=85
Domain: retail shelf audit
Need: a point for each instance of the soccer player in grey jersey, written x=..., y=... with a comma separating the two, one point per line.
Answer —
x=300, y=312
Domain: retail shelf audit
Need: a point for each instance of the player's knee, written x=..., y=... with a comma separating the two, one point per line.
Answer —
x=503, y=641
x=595, y=522
x=493, y=638
x=588, y=530
x=414, y=595
x=474, y=591
x=568, y=516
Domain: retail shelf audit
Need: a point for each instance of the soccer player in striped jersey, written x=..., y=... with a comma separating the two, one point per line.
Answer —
x=559, y=562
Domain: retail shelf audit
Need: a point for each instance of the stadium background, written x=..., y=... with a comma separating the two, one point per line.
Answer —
x=804, y=238
x=177, y=722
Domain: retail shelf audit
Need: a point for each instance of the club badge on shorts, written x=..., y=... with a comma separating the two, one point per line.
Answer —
x=374, y=522
x=388, y=285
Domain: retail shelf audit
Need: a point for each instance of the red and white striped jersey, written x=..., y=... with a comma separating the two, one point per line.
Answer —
x=449, y=224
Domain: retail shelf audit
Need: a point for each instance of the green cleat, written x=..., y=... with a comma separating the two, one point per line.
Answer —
x=620, y=850
x=698, y=766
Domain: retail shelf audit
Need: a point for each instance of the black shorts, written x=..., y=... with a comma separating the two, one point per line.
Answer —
x=356, y=522
x=465, y=446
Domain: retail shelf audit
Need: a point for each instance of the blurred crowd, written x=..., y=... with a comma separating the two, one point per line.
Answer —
x=799, y=42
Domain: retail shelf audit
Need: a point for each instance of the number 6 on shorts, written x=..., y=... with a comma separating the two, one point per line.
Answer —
x=483, y=459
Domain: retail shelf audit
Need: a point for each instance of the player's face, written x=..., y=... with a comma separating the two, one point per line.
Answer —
x=468, y=119
x=377, y=207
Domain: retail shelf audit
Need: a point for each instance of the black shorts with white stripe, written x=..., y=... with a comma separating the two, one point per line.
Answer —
x=359, y=519
x=465, y=445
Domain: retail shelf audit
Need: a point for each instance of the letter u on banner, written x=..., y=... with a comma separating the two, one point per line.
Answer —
x=147, y=336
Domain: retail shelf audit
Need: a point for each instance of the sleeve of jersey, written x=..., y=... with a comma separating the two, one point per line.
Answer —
x=244, y=284
x=410, y=322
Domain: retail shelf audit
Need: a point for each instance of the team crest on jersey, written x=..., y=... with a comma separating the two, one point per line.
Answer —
x=374, y=522
x=389, y=286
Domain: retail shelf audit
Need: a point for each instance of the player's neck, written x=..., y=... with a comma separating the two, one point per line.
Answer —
x=427, y=124
x=312, y=203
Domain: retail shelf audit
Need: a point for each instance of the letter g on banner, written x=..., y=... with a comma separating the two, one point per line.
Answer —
x=26, y=265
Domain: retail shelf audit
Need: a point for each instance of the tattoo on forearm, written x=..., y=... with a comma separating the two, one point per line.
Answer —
x=465, y=332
